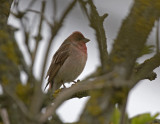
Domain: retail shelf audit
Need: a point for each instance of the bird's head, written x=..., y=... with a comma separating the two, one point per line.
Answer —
x=78, y=37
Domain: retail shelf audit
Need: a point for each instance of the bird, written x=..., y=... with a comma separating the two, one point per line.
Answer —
x=68, y=62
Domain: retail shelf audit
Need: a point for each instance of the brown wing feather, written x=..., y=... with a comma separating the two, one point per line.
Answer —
x=57, y=61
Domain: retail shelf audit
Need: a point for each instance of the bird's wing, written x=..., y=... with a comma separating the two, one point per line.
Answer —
x=57, y=61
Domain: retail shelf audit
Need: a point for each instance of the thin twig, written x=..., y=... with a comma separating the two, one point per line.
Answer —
x=39, y=36
x=15, y=3
x=123, y=111
x=37, y=101
x=42, y=14
x=30, y=5
x=84, y=8
x=26, y=36
x=55, y=9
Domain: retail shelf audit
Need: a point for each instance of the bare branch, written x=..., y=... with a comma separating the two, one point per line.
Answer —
x=39, y=36
x=96, y=22
x=68, y=93
x=105, y=82
x=123, y=111
x=32, y=2
x=55, y=9
x=146, y=68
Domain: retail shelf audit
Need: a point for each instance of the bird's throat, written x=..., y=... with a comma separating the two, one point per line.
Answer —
x=82, y=47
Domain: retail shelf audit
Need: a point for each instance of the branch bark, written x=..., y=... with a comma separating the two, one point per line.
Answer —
x=133, y=35
x=96, y=22
x=146, y=68
x=87, y=85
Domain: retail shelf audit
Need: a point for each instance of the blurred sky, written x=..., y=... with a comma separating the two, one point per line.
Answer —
x=143, y=98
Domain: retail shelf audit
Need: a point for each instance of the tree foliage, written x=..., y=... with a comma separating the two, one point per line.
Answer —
x=111, y=82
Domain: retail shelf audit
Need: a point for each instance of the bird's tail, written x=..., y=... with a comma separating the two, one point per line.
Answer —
x=50, y=85
x=46, y=86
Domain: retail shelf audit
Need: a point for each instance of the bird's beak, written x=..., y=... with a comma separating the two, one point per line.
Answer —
x=86, y=40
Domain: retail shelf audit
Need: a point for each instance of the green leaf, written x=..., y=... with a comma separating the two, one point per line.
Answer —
x=116, y=116
x=143, y=118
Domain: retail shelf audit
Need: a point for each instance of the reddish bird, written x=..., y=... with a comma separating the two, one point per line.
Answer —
x=68, y=62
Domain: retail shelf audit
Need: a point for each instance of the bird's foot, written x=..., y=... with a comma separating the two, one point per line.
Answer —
x=63, y=85
x=76, y=81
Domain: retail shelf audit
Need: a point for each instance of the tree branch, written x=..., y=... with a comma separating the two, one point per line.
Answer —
x=146, y=68
x=133, y=35
x=98, y=83
x=106, y=82
x=96, y=22
x=38, y=38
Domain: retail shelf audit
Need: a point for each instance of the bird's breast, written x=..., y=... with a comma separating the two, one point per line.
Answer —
x=73, y=66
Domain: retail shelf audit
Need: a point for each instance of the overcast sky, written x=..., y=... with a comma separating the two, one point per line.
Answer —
x=143, y=98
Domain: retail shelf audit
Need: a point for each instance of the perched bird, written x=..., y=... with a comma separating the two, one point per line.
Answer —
x=68, y=62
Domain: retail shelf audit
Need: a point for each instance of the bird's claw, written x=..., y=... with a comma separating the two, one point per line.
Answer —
x=63, y=85
x=76, y=81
